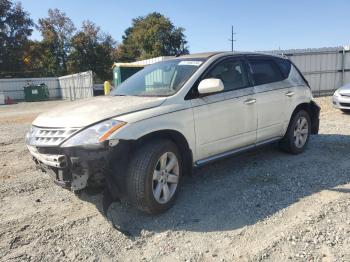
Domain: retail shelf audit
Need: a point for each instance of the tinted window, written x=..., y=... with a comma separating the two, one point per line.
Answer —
x=284, y=65
x=232, y=74
x=265, y=71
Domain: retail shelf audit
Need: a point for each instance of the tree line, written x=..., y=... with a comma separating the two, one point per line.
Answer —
x=64, y=49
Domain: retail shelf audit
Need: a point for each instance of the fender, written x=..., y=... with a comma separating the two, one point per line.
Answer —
x=136, y=130
x=311, y=107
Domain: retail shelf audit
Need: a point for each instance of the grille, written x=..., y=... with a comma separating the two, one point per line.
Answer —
x=346, y=95
x=39, y=136
x=345, y=104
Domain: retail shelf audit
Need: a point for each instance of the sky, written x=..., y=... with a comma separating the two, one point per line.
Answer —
x=260, y=25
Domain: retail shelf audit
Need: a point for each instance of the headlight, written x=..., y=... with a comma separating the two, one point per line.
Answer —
x=94, y=134
x=336, y=93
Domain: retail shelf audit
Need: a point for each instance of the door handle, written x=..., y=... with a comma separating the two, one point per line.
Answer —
x=290, y=93
x=250, y=101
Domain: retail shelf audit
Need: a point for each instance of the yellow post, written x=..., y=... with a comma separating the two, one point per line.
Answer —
x=107, y=87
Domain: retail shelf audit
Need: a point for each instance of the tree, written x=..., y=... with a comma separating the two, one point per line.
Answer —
x=151, y=36
x=39, y=60
x=15, y=28
x=57, y=30
x=92, y=49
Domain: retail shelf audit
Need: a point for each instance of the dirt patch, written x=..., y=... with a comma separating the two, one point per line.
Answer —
x=18, y=119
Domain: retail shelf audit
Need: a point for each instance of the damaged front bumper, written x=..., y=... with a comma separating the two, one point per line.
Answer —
x=73, y=168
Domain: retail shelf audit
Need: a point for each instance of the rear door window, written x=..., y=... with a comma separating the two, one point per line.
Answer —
x=264, y=71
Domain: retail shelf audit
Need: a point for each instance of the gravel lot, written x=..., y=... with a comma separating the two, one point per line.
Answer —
x=263, y=205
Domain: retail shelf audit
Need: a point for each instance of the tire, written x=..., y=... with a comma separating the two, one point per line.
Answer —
x=345, y=111
x=148, y=187
x=298, y=134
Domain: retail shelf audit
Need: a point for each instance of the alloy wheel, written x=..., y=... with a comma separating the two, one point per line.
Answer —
x=165, y=177
x=301, y=132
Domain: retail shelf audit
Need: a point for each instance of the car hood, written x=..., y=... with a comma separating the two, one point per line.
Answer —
x=345, y=90
x=85, y=112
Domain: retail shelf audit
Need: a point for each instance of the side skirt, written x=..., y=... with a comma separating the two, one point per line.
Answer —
x=230, y=153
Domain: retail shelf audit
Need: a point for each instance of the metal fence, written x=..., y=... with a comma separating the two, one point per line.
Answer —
x=14, y=87
x=71, y=87
x=77, y=86
x=326, y=69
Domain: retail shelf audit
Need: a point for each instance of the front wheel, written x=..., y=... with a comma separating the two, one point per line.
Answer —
x=345, y=111
x=154, y=176
x=298, y=133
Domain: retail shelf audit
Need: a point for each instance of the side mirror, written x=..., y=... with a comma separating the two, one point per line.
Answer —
x=210, y=85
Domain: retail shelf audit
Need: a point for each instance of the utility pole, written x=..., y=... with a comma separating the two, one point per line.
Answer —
x=232, y=40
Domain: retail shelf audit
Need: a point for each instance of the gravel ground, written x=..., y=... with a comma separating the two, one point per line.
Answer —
x=263, y=205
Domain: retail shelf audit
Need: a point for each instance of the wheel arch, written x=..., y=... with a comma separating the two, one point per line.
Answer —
x=178, y=139
x=313, y=110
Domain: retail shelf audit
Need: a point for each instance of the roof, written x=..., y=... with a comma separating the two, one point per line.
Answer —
x=201, y=55
x=223, y=53
x=206, y=55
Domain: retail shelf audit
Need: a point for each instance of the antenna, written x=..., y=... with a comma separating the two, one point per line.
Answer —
x=232, y=40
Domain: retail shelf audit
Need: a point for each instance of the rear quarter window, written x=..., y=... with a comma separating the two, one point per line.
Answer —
x=284, y=65
x=265, y=71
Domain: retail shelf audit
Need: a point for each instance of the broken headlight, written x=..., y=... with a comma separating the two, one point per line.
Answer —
x=94, y=134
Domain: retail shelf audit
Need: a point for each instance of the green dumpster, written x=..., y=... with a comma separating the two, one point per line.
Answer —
x=33, y=93
x=122, y=71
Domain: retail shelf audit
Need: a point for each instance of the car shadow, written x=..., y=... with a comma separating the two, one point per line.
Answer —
x=239, y=191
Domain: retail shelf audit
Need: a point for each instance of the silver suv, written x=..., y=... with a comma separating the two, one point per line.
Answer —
x=141, y=140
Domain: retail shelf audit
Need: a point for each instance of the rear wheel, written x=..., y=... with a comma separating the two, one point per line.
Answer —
x=154, y=176
x=298, y=133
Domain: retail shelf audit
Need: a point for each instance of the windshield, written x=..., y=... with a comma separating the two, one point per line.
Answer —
x=159, y=79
